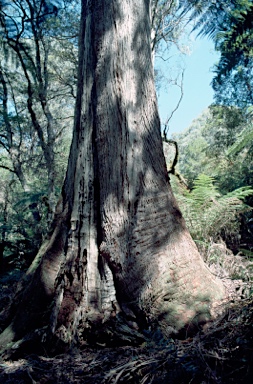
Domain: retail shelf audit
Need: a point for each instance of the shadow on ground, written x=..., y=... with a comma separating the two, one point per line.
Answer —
x=220, y=354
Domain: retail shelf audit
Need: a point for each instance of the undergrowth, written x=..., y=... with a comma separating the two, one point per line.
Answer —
x=219, y=353
x=209, y=215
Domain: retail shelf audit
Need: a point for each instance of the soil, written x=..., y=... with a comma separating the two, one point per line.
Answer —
x=221, y=353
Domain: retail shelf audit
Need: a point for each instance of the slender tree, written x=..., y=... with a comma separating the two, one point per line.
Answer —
x=119, y=251
x=32, y=83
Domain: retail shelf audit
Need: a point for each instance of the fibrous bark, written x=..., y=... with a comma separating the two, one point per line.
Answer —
x=119, y=247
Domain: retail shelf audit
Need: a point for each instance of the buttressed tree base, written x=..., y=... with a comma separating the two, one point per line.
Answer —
x=119, y=251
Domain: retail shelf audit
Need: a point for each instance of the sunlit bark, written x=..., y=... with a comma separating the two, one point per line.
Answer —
x=119, y=245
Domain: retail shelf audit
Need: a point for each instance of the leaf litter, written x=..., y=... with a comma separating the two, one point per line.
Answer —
x=219, y=353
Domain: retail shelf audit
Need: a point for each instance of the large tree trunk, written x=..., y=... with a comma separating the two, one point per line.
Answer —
x=119, y=246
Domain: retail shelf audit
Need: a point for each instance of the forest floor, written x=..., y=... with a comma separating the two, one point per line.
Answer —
x=220, y=354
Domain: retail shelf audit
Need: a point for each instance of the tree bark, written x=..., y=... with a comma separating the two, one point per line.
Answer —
x=119, y=247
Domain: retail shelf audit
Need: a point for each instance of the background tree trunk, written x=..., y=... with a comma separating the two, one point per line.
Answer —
x=119, y=244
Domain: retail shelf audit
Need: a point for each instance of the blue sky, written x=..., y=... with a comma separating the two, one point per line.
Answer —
x=198, y=93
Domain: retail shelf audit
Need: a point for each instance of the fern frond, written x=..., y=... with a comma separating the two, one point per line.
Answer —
x=208, y=214
x=245, y=139
x=204, y=192
x=240, y=193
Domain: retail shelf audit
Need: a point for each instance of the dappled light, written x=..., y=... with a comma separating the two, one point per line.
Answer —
x=142, y=272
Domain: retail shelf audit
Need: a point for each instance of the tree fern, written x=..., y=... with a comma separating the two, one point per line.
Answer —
x=244, y=140
x=204, y=191
x=210, y=215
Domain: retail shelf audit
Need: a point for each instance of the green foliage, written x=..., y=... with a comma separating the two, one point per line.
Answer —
x=209, y=146
x=230, y=25
x=219, y=144
x=243, y=141
x=211, y=215
x=37, y=86
x=37, y=95
x=235, y=89
x=235, y=41
x=23, y=218
x=192, y=145
x=221, y=128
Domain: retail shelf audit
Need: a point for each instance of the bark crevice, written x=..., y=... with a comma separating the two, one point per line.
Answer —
x=119, y=259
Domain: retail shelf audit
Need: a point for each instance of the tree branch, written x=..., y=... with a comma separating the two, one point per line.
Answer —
x=7, y=168
x=166, y=128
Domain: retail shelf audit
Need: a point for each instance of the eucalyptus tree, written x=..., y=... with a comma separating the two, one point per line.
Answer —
x=39, y=60
x=22, y=145
x=119, y=257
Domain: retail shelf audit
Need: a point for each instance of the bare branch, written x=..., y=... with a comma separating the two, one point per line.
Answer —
x=5, y=146
x=7, y=168
x=166, y=128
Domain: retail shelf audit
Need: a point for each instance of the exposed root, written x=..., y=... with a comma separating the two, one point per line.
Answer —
x=222, y=353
